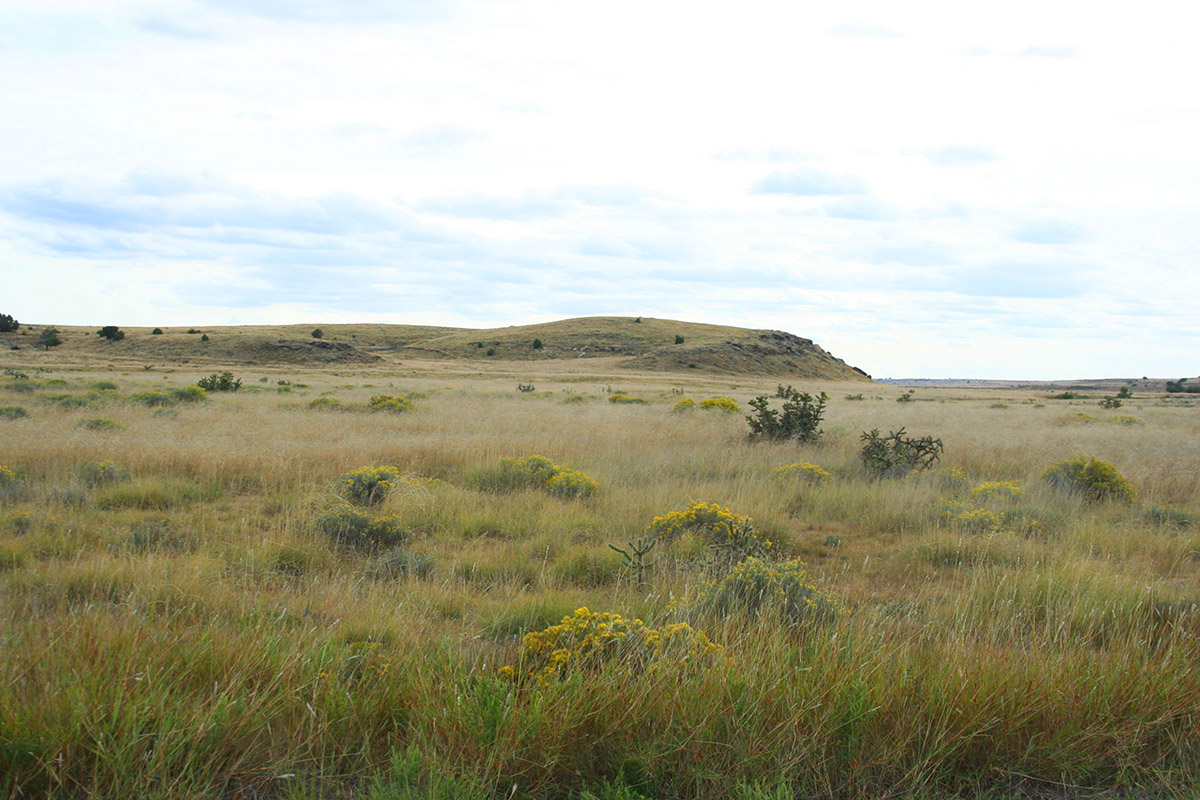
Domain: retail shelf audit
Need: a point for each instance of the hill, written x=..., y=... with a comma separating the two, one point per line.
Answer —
x=644, y=344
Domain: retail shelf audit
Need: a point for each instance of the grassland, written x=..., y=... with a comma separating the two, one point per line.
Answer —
x=176, y=620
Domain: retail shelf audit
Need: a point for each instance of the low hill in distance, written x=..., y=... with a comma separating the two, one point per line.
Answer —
x=643, y=344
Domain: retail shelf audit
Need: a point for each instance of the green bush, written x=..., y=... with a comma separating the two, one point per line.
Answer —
x=533, y=472
x=104, y=386
x=224, y=382
x=624, y=399
x=392, y=403
x=152, y=399
x=799, y=418
x=67, y=400
x=155, y=536
x=111, y=332
x=317, y=333
x=13, y=412
x=1174, y=516
x=368, y=485
x=355, y=529
x=896, y=454
x=398, y=562
x=327, y=404
x=756, y=587
x=157, y=332
x=1090, y=477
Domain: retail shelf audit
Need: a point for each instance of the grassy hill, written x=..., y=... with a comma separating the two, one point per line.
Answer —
x=656, y=345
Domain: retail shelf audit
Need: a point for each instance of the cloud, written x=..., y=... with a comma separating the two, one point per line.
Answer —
x=809, y=182
x=958, y=155
x=863, y=30
x=333, y=11
x=441, y=138
x=537, y=204
x=1021, y=279
x=1049, y=52
x=861, y=208
x=177, y=28
x=1048, y=232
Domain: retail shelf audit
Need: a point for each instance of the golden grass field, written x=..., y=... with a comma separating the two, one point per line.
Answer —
x=178, y=624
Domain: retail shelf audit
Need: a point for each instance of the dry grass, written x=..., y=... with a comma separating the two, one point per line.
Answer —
x=187, y=631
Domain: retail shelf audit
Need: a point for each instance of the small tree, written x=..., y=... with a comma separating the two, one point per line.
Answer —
x=318, y=333
x=678, y=339
x=1124, y=393
x=225, y=382
x=157, y=332
x=799, y=418
x=111, y=332
x=49, y=338
x=537, y=344
x=1110, y=403
x=8, y=323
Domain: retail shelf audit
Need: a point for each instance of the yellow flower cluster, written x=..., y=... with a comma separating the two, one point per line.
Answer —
x=804, y=472
x=100, y=472
x=717, y=524
x=388, y=402
x=725, y=404
x=7, y=476
x=541, y=472
x=997, y=489
x=592, y=640
x=368, y=485
x=686, y=404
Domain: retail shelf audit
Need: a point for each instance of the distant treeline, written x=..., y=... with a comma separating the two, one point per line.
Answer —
x=1175, y=387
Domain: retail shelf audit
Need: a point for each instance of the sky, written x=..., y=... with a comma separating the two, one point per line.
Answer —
x=925, y=189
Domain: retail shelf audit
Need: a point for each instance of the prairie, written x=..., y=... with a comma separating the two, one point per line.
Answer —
x=179, y=617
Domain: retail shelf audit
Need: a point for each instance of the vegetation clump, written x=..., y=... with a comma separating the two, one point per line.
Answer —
x=719, y=527
x=686, y=404
x=100, y=424
x=1091, y=478
x=724, y=404
x=802, y=472
x=368, y=485
x=391, y=403
x=1173, y=516
x=625, y=399
x=897, y=454
x=534, y=472
x=355, y=529
x=590, y=641
x=756, y=586
x=798, y=419
x=13, y=412
x=224, y=382
x=98, y=473
x=8, y=323
x=111, y=332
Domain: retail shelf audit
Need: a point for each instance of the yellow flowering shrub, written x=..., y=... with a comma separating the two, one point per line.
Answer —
x=1007, y=490
x=533, y=472
x=1090, y=477
x=725, y=404
x=803, y=472
x=686, y=404
x=368, y=485
x=757, y=586
x=950, y=479
x=7, y=476
x=588, y=640
x=388, y=402
x=718, y=525
x=356, y=529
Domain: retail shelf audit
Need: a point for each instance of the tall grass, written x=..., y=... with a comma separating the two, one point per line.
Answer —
x=187, y=631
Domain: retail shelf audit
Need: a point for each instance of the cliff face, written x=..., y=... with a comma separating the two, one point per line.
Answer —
x=766, y=353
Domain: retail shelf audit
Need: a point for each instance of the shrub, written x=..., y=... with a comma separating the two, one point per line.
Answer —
x=575, y=398
x=8, y=323
x=391, y=403
x=154, y=536
x=897, y=454
x=686, y=404
x=725, y=404
x=591, y=641
x=625, y=399
x=571, y=483
x=98, y=473
x=1110, y=403
x=327, y=404
x=799, y=418
x=317, y=333
x=67, y=400
x=355, y=529
x=49, y=338
x=1008, y=490
x=225, y=382
x=533, y=472
x=721, y=529
x=755, y=586
x=100, y=424
x=368, y=485
x=104, y=386
x=537, y=344
x=803, y=472
x=13, y=412
x=152, y=399
x=111, y=332
x=1124, y=393
x=190, y=394
x=854, y=396
x=157, y=332
x=204, y=337
x=950, y=479
x=1090, y=477
x=398, y=562
x=525, y=388
x=1175, y=516
x=907, y=397
x=7, y=477
x=678, y=339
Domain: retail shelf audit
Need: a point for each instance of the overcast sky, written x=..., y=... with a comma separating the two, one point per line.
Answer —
x=933, y=189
